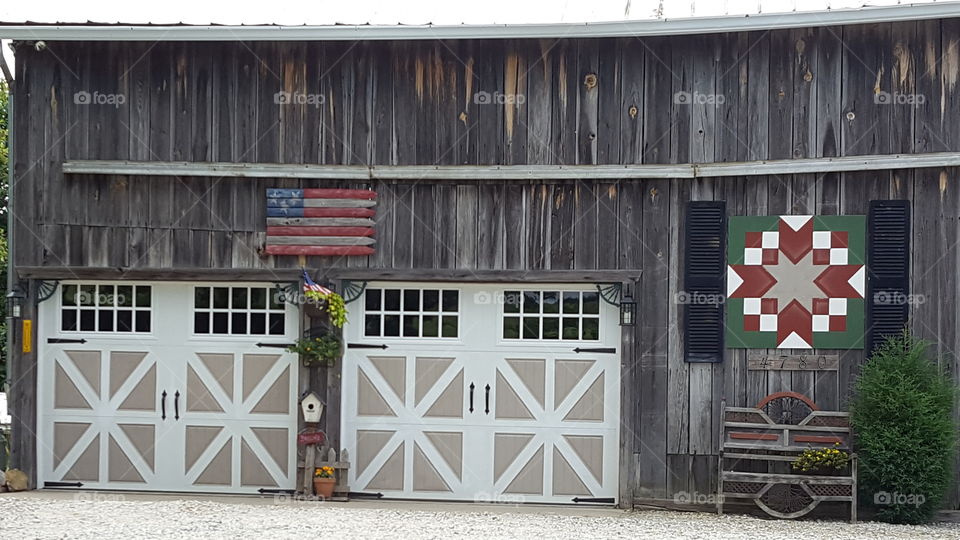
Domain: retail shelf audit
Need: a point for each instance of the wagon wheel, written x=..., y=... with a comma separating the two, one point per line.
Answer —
x=787, y=407
x=786, y=501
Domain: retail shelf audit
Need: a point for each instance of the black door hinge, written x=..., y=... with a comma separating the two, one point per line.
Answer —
x=264, y=491
x=65, y=340
x=362, y=495
x=275, y=345
x=607, y=350
x=62, y=484
x=606, y=500
x=366, y=346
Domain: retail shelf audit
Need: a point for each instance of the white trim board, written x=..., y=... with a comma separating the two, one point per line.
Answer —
x=875, y=162
x=577, y=29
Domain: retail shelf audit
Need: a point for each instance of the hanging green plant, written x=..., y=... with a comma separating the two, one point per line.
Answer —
x=322, y=350
x=335, y=305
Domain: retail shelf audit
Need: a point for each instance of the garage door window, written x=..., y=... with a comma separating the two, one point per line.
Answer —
x=551, y=315
x=237, y=311
x=88, y=307
x=414, y=313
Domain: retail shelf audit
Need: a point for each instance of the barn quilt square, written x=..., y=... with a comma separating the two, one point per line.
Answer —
x=795, y=282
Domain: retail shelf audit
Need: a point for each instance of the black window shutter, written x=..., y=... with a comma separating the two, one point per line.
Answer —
x=888, y=270
x=703, y=275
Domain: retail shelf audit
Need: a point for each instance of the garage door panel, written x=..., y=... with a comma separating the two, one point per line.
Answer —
x=87, y=365
x=369, y=444
x=541, y=423
x=82, y=463
x=449, y=400
x=142, y=439
x=143, y=392
x=166, y=409
x=566, y=479
x=69, y=440
x=120, y=463
x=386, y=471
x=214, y=467
x=275, y=398
x=448, y=446
x=66, y=390
x=393, y=371
x=525, y=475
x=370, y=401
x=199, y=398
x=255, y=471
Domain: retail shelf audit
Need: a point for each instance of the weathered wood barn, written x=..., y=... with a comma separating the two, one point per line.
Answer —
x=491, y=201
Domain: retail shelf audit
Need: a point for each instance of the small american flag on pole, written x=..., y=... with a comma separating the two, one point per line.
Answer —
x=310, y=285
x=320, y=221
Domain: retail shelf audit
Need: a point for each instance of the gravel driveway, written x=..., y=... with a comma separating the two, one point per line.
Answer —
x=102, y=516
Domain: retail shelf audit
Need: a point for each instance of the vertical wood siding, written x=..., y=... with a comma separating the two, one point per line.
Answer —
x=793, y=93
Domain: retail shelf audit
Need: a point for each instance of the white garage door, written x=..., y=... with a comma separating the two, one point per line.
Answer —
x=162, y=386
x=483, y=393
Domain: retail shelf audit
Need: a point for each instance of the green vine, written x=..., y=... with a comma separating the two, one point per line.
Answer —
x=318, y=351
x=335, y=306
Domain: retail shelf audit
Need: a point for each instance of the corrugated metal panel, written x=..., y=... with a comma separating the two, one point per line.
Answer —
x=411, y=12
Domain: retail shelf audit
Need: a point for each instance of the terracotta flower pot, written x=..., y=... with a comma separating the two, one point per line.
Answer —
x=323, y=487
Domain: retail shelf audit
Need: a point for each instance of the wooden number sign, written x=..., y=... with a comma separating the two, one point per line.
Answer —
x=792, y=362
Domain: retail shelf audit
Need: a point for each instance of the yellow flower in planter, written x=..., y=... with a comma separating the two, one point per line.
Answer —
x=323, y=472
x=823, y=459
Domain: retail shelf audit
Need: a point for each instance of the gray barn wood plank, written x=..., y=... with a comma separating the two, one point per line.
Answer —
x=609, y=86
x=653, y=341
x=445, y=225
x=540, y=199
x=423, y=234
x=467, y=226
x=562, y=234
x=631, y=107
x=678, y=371
x=658, y=90
x=540, y=102
x=608, y=225
x=566, y=83
x=515, y=124
x=585, y=226
x=491, y=225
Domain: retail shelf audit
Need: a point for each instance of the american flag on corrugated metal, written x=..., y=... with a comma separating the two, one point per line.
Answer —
x=320, y=221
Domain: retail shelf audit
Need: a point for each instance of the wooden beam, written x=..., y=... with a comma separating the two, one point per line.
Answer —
x=512, y=172
x=482, y=276
x=161, y=274
x=293, y=274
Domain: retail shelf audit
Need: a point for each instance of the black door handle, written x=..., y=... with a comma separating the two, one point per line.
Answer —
x=487, y=411
x=471, y=397
x=176, y=405
x=163, y=405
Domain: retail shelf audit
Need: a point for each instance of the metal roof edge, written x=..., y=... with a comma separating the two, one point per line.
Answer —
x=660, y=27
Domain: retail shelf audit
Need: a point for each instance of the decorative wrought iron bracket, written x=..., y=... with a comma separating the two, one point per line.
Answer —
x=352, y=290
x=287, y=292
x=611, y=293
x=46, y=289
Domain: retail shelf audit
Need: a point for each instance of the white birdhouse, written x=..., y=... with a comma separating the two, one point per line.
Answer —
x=312, y=408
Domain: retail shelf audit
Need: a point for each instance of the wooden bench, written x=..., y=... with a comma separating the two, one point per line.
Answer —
x=759, y=443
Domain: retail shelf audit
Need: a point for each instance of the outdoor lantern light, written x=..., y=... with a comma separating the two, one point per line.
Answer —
x=628, y=309
x=15, y=299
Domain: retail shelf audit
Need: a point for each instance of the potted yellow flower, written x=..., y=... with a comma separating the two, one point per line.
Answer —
x=822, y=461
x=324, y=482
